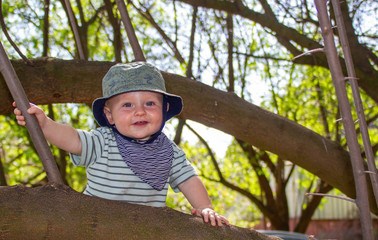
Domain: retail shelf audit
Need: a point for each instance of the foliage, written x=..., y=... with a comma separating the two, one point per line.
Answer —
x=19, y=158
x=263, y=69
x=242, y=214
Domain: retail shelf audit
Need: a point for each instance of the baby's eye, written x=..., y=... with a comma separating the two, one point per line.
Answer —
x=150, y=103
x=128, y=105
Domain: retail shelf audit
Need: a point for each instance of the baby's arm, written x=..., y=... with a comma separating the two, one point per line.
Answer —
x=61, y=135
x=196, y=193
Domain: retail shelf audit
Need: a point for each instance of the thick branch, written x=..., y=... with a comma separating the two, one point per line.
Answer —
x=58, y=212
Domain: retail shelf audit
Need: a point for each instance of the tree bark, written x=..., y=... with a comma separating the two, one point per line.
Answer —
x=58, y=212
x=64, y=81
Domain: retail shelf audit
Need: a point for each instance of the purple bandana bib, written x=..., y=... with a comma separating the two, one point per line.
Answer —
x=151, y=161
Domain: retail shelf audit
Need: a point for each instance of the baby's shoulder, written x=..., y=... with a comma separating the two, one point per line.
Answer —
x=178, y=153
x=102, y=134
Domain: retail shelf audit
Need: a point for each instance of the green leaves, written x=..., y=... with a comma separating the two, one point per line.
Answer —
x=19, y=158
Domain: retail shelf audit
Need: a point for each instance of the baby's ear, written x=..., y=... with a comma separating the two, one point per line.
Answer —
x=167, y=106
x=108, y=115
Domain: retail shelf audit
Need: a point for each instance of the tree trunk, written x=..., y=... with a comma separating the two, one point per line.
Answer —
x=58, y=212
x=61, y=81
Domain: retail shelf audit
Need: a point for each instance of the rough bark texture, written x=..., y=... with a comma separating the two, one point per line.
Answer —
x=58, y=212
x=59, y=81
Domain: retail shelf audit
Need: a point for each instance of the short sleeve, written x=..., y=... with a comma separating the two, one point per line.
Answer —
x=92, y=143
x=181, y=170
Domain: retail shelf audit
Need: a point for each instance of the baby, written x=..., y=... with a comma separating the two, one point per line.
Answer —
x=128, y=158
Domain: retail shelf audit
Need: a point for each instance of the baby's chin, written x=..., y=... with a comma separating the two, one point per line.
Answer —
x=142, y=139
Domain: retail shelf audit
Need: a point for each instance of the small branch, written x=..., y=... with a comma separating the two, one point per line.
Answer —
x=351, y=78
x=189, y=68
x=137, y=50
x=209, y=150
x=309, y=52
x=230, y=46
x=74, y=29
x=3, y=180
x=333, y=196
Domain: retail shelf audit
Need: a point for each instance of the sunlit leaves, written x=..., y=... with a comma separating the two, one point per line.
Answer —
x=21, y=162
x=235, y=169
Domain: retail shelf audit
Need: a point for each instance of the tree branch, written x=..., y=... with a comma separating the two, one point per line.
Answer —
x=46, y=27
x=217, y=168
x=230, y=46
x=251, y=155
x=117, y=38
x=3, y=180
x=58, y=208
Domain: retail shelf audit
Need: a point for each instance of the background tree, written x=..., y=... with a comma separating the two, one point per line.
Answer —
x=228, y=46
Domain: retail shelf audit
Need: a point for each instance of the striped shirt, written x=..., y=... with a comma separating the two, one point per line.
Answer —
x=109, y=176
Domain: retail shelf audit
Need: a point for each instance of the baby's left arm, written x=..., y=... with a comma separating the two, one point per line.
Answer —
x=196, y=193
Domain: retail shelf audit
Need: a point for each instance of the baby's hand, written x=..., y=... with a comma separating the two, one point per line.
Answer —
x=209, y=214
x=41, y=116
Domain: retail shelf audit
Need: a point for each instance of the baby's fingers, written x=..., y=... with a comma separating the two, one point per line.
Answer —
x=19, y=117
x=17, y=112
x=216, y=219
x=20, y=120
x=221, y=220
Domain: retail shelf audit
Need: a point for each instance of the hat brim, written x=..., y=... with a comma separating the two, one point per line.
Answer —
x=175, y=107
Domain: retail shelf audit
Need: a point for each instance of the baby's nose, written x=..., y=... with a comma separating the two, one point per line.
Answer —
x=140, y=109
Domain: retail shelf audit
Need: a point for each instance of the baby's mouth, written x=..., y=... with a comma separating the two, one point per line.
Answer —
x=140, y=123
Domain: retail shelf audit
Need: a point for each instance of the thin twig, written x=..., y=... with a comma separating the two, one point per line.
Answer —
x=332, y=196
x=351, y=78
x=309, y=52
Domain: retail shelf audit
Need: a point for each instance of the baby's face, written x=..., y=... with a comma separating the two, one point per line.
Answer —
x=137, y=115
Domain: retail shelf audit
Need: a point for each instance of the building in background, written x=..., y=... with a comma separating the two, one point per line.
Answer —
x=334, y=219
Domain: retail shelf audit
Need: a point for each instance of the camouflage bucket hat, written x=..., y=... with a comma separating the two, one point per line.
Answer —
x=128, y=77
